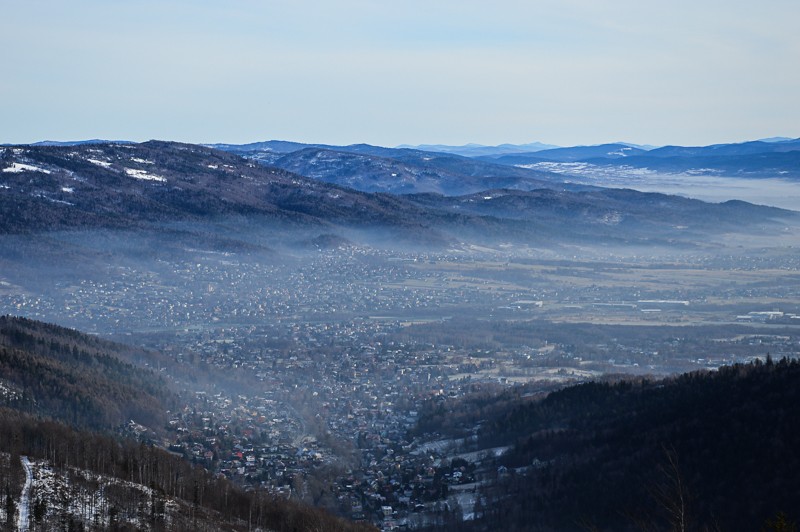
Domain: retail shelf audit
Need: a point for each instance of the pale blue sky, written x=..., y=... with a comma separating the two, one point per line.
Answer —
x=564, y=72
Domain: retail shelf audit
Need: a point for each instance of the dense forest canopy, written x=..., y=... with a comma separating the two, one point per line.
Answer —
x=719, y=448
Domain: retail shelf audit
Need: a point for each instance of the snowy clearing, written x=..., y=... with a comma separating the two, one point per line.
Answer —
x=20, y=167
x=141, y=174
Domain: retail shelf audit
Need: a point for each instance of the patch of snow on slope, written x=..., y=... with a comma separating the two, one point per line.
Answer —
x=44, y=196
x=62, y=202
x=620, y=152
x=19, y=167
x=7, y=393
x=98, y=162
x=141, y=174
x=556, y=167
x=25, y=497
x=611, y=218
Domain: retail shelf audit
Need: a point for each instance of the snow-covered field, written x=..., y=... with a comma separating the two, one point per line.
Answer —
x=16, y=168
x=141, y=174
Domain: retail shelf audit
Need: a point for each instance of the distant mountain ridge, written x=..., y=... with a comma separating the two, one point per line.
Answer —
x=154, y=184
x=578, y=153
x=79, y=142
x=409, y=171
x=118, y=186
x=477, y=150
x=769, y=157
x=778, y=158
x=776, y=139
x=758, y=158
x=743, y=148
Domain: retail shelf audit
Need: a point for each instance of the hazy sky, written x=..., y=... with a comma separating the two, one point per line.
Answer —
x=563, y=71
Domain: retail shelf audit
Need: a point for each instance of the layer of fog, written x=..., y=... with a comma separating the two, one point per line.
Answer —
x=773, y=192
x=699, y=184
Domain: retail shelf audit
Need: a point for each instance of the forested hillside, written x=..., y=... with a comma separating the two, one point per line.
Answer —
x=62, y=374
x=65, y=375
x=141, y=487
x=702, y=451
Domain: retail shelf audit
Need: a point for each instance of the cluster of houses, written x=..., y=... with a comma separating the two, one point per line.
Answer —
x=215, y=289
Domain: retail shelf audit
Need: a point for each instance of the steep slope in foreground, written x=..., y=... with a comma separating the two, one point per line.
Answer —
x=56, y=478
x=715, y=450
